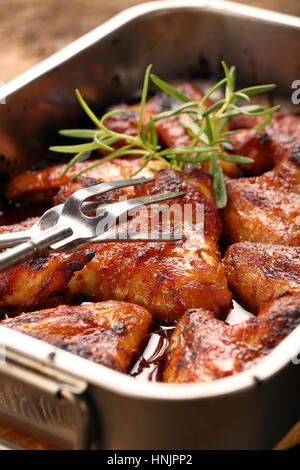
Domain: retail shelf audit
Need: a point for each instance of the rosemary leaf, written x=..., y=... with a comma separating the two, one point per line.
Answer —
x=79, y=133
x=164, y=86
x=235, y=158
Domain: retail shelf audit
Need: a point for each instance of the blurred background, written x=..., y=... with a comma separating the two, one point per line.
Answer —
x=31, y=30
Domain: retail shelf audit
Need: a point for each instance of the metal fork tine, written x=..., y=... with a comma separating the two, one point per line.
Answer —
x=66, y=226
x=119, y=208
x=108, y=237
x=138, y=236
x=50, y=217
x=102, y=188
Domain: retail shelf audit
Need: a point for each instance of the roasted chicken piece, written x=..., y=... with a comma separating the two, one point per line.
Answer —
x=203, y=348
x=266, y=208
x=41, y=282
x=257, y=273
x=42, y=185
x=167, y=278
x=271, y=146
x=284, y=128
x=109, y=333
x=256, y=145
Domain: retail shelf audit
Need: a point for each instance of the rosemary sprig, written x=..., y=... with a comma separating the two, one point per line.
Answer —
x=205, y=125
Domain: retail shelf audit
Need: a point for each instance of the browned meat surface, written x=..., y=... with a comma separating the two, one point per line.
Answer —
x=258, y=146
x=41, y=282
x=284, y=127
x=264, y=208
x=257, y=273
x=270, y=146
x=203, y=348
x=43, y=184
x=196, y=183
x=109, y=333
x=167, y=278
x=170, y=130
x=24, y=225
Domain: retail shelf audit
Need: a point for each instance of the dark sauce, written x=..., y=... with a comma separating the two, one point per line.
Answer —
x=14, y=213
x=149, y=365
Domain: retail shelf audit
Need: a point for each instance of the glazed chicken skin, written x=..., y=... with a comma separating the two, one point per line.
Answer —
x=266, y=208
x=278, y=142
x=42, y=281
x=108, y=333
x=42, y=185
x=203, y=348
x=183, y=281
x=257, y=273
x=167, y=278
x=283, y=127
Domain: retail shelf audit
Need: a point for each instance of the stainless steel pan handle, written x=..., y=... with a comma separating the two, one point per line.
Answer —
x=54, y=407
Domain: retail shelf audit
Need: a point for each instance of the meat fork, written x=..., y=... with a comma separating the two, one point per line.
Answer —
x=65, y=227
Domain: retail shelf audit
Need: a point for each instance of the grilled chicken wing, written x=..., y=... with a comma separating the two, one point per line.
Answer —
x=257, y=273
x=41, y=282
x=256, y=145
x=264, y=208
x=42, y=185
x=270, y=146
x=109, y=333
x=203, y=348
x=166, y=278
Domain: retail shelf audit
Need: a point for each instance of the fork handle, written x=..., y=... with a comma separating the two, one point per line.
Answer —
x=12, y=239
x=32, y=248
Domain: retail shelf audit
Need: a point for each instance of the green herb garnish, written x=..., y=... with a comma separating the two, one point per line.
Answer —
x=205, y=125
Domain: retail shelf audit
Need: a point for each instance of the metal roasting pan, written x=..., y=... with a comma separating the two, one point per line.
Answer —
x=76, y=403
